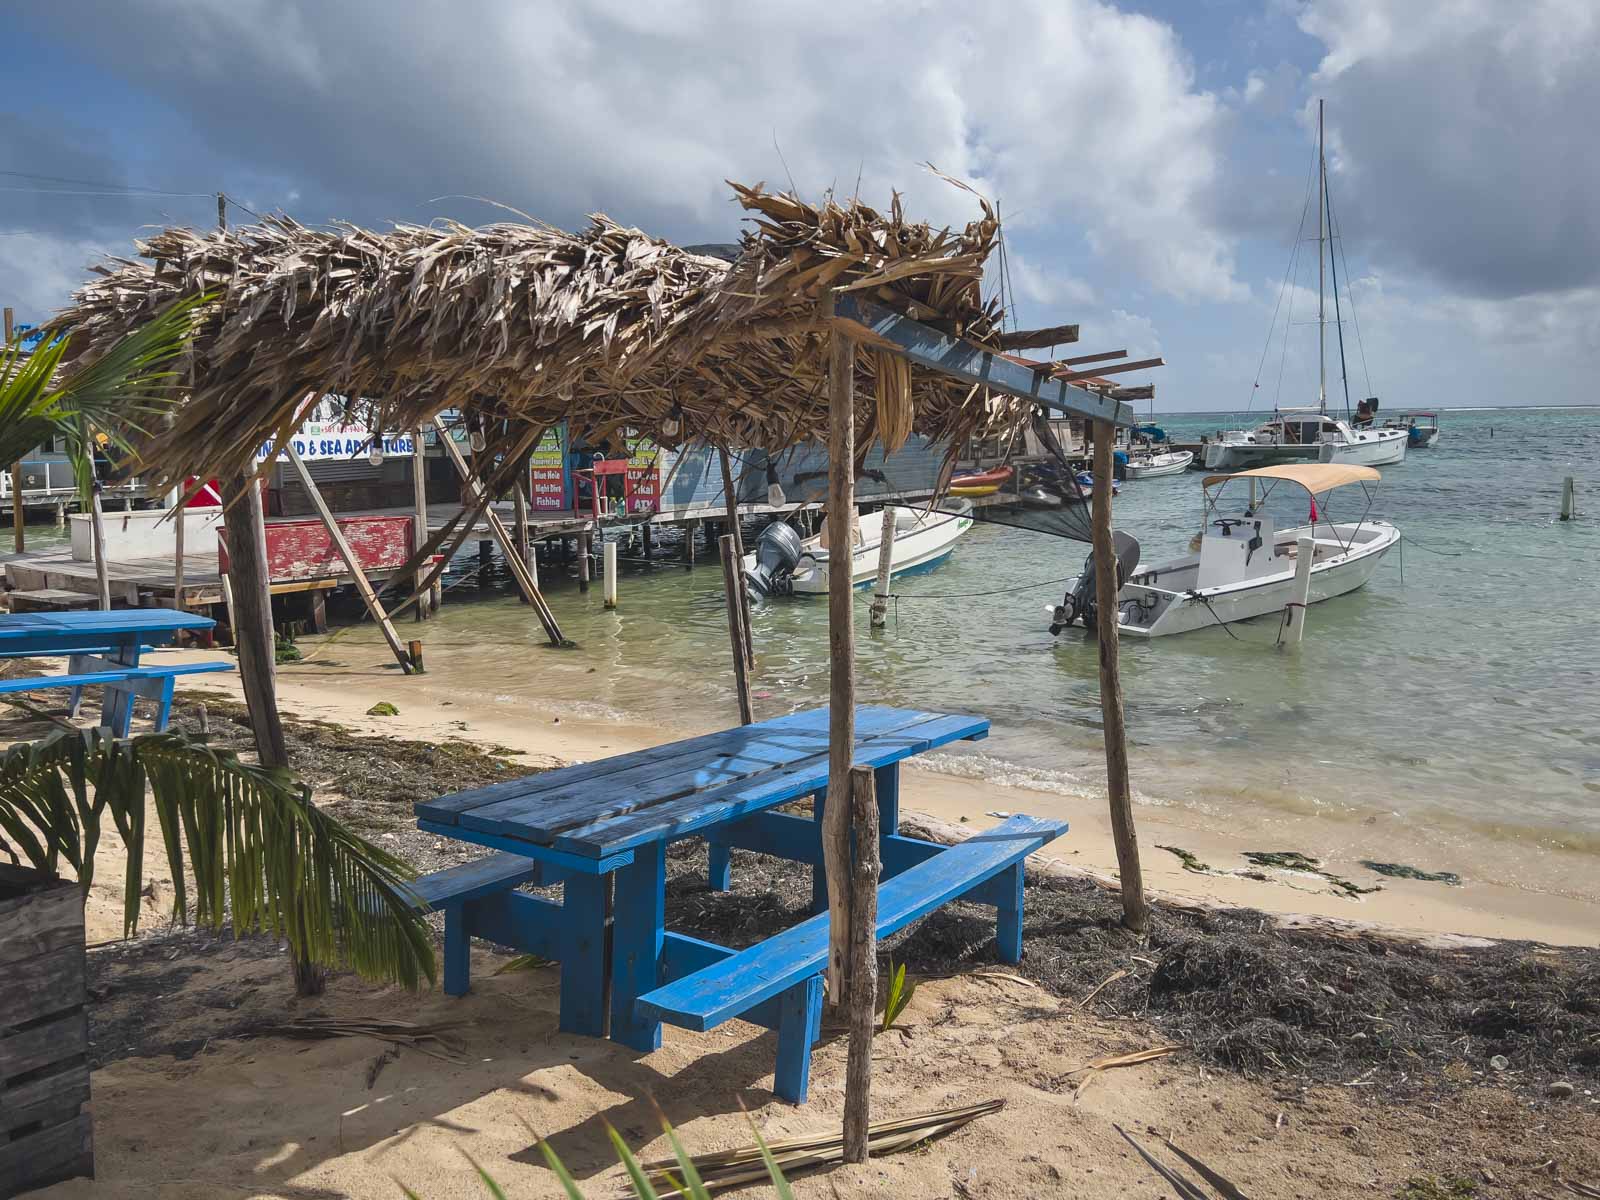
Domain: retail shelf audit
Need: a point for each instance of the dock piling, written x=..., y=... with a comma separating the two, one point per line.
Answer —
x=1569, y=499
x=585, y=553
x=609, y=552
x=880, y=594
x=1294, y=613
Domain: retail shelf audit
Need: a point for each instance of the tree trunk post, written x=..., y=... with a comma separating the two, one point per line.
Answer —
x=419, y=519
x=524, y=547
x=841, y=652
x=1135, y=913
x=731, y=501
x=880, y=594
x=730, y=587
x=246, y=531
x=97, y=526
x=863, y=964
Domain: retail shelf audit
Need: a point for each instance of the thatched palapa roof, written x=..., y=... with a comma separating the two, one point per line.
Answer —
x=524, y=325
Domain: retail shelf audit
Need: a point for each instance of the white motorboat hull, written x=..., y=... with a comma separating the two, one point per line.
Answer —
x=925, y=541
x=1175, y=463
x=1335, y=572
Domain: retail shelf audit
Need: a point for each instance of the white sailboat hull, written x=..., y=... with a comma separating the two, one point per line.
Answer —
x=922, y=541
x=1159, y=601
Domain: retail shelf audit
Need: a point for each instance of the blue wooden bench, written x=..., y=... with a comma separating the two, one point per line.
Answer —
x=120, y=682
x=454, y=889
x=778, y=983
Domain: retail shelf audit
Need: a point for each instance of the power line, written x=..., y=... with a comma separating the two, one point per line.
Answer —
x=125, y=195
x=93, y=183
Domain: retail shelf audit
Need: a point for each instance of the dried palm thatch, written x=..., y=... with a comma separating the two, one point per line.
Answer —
x=522, y=325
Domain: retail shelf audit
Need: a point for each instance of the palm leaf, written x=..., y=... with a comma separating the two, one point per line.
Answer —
x=260, y=853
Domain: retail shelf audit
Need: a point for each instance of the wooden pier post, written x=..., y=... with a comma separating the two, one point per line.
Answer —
x=177, y=550
x=351, y=562
x=419, y=520
x=689, y=528
x=841, y=652
x=730, y=499
x=648, y=535
x=1294, y=613
x=1569, y=499
x=524, y=547
x=880, y=594
x=485, y=561
x=608, y=550
x=863, y=964
x=1135, y=912
x=585, y=553
x=730, y=590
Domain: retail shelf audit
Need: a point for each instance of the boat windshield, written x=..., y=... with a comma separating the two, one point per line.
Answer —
x=1318, y=481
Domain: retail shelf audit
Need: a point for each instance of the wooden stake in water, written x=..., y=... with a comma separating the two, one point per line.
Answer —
x=419, y=517
x=610, y=570
x=1294, y=613
x=1569, y=499
x=730, y=588
x=880, y=594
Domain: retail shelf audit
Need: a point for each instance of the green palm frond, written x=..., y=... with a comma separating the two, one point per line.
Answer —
x=118, y=394
x=260, y=853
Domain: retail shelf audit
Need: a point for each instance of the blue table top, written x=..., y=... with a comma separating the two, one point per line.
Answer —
x=601, y=808
x=46, y=632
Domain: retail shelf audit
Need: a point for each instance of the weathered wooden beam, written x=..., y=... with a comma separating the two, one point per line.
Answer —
x=841, y=646
x=1030, y=339
x=351, y=562
x=885, y=329
x=863, y=965
x=1114, y=369
x=1089, y=358
x=247, y=583
x=1147, y=392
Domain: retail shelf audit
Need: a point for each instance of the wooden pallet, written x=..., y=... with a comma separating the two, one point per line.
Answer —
x=46, y=1133
x=49, y=600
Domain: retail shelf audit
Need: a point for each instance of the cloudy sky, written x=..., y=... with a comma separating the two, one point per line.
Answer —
x=1150, y=159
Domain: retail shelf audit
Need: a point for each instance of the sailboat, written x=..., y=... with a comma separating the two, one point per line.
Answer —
x=1311, y=434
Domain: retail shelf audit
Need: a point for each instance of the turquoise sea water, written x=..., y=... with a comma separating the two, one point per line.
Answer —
x=1460, y=689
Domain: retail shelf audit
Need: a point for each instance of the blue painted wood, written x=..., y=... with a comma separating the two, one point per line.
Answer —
x=719, y=875
x=1008, y=927
x=446, y=807
x=760, y=753
x=782, y=835
x=638, y=916
x=562, y=860
x=39, y=632
x=125, y=677
x=819, y=871
x=518, y=921
x=704, y=810
x=928, y=347
x=886, y=785
x=714, y=994
x=684, y=955
x=481, y=877
x=457, y=951
x=585, y=924
x=798, y=1030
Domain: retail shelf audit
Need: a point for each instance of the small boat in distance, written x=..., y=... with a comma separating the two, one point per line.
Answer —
x=1245, y=566
x=782, y=564
x=1147, y=466
x=1421, y=428
x=980, y=483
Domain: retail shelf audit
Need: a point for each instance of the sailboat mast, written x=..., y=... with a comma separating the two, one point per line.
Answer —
x=1322, y=316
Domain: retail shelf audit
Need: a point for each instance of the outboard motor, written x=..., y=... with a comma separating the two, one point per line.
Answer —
x=1079, y=603
x=778, y=552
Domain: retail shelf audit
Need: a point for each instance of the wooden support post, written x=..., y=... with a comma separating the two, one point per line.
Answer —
x=524, y=546
x=177, y=551
x=648, y=534
x=519, y=570
x=317, y=601
x=841, y=651
x=1294, y=614
x=97, y=527
x=419, y=518
x=414, y=651
x=608, y=552
x=741, y=668
x=731, y=501
x=1135, y=913
x=863, y=964
x=18, y=513
x=249, y=592
x=585, y=559
x=689, y=528
x=1569, y=502
x=880, y=594
x=485, y=561
x=351, y=563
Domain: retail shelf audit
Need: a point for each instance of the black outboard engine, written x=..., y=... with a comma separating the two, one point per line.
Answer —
x=1079, y=603
x=778, y=552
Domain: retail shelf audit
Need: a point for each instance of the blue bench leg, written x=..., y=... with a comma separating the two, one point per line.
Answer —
x=457, y=951
x=583, y=957
x=164, y=704
x=720, y=877
x=798, y=1030
x=1008, y=926
x=637, y=938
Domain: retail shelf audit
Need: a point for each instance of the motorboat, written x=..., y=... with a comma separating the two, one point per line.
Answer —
x=1421, y=428
x=1245, y=565
x=1147, y=466
x=923, y=538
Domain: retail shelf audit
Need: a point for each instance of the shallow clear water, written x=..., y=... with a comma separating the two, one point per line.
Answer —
x=1465, y=695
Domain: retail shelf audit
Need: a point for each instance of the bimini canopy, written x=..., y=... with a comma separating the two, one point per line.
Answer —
x=1314, y=477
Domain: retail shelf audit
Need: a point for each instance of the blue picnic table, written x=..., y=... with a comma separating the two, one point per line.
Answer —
x=104, y=649
x=601, y=829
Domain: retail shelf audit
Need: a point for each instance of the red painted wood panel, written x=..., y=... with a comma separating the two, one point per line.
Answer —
x=304, y=550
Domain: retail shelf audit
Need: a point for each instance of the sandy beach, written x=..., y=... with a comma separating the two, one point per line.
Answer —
x=194, y=1099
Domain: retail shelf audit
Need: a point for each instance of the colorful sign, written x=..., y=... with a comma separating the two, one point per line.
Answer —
x=547, y=479
x=644, y=475
x=320, y=441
